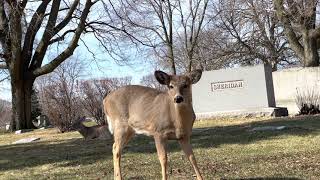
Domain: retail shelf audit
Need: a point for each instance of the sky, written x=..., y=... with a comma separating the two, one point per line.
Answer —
x=5, y=92
x=103, y=66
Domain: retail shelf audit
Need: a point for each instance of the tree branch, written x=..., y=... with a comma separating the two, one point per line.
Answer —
x=3, y=66
x=32, y=30
x=292, y=37
x=61, y=38
x=91, y=24
x=72, y=45
x=4, y=31
x=47, y=35
x=5, y=78
x=315, y=33
x=23, y=4
x=62, y=9
x=194, y=39
x=68, y=17
x=44, y=43
x=15, y=35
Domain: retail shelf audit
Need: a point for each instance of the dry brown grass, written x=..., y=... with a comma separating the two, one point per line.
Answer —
x=225, y=149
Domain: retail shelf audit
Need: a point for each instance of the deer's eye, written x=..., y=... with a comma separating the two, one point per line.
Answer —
x=185, y=86
x=170, y=86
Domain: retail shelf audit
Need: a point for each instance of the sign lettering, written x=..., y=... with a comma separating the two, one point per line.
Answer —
x=215, y=86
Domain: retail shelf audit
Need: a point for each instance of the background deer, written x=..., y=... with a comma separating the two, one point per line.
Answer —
x=98, y=131
x=164, y=115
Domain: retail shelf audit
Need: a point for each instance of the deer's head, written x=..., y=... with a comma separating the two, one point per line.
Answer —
x=78, y=123
x=179, y=87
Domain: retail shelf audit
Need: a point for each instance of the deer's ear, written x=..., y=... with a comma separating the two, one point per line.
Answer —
x=162, y=77
x=195, y=75
x=83, y=118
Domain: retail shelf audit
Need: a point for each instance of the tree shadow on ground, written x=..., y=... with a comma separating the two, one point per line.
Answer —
x=75, y=151
x=78, y=151
x=264, y=178
x=243, y=134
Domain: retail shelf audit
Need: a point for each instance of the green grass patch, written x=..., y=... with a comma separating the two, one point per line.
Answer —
x=224, y=148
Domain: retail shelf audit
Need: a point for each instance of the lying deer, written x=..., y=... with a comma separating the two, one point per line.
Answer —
x=164, y=115
x=97, y=131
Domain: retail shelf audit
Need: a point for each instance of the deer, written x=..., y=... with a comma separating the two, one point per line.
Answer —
x=165, y=115
x=97, y=131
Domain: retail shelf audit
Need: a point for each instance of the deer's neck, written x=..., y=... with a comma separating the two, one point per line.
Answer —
x=83, y=131
x=183, y=119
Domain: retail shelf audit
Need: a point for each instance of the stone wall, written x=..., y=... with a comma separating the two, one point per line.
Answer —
x=288, y=81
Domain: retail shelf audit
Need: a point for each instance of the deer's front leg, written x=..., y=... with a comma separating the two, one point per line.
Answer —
x=116, y=160
x=162, y=154
x=187, y=149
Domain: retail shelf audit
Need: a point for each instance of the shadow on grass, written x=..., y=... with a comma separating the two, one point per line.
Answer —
x=75, y=151
x=243, y=134
x=264, y=178
x=80, y=152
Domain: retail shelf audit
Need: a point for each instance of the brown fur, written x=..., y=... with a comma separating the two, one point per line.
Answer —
x=98, y=131
x=137, y=109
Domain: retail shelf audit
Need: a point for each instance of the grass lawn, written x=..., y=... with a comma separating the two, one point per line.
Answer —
x=224, y=148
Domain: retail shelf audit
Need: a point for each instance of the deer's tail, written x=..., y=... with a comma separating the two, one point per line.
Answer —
x=107, y=118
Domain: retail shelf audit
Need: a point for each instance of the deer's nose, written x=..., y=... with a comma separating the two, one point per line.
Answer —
x=178, y=99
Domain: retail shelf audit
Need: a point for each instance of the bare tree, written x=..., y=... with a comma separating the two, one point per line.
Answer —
x=54, y=22
x=248, y=32
x=211, y=50
x=59, y=95
x=192, y=23
x=298, y=18
x=91, y=99
x=150, y=81
x=3, y=75
x=158, y=24
x=5, y=112
x=65, y=96
x=90, y=94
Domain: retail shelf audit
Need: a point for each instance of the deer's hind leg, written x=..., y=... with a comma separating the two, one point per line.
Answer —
x=122, y=135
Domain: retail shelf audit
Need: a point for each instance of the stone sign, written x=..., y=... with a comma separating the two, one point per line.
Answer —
x=7, y=127
x=238, y=89
x=226, y=85
x=41, y=121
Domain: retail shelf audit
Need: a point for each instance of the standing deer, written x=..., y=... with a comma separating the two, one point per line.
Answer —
x=164, y=115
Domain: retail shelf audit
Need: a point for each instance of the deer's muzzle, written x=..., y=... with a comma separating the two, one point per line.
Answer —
x=178, y=99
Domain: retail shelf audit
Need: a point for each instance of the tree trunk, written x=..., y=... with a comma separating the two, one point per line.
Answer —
x=190, y=61
x=274, y=67
x=21, y=104
x=273, y=62
x=311, y=56
x=171, y=60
